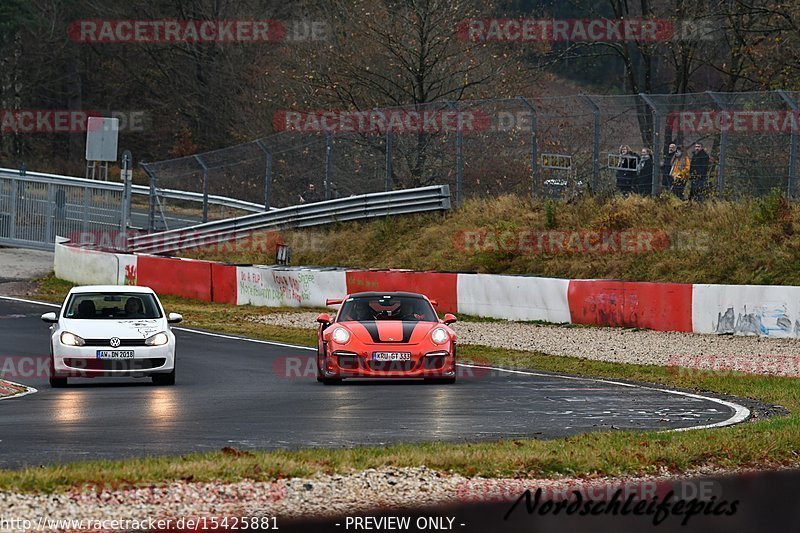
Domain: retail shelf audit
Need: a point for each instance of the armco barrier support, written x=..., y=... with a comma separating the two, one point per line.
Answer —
x=439, y=286
x=179, y=277
x=279, y=286
x=514, y=297
x=765, y=310
x=658, y=306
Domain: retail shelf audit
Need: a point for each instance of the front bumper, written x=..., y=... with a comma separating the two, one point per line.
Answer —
x=425, y=362
x=82, y=361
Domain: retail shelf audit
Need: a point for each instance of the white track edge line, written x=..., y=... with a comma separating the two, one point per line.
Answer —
x=741, y=413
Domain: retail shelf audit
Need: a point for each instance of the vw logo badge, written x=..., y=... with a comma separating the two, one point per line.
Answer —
x=115, y=342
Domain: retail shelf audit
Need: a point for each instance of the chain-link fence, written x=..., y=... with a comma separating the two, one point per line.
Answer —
x=548, y=146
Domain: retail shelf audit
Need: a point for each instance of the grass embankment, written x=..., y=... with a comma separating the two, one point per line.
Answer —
x=764, y=443
x=750, y=241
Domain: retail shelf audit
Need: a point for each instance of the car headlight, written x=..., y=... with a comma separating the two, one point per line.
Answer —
x=159, y=339
x=70, y=339
x=440, y=336
x=341, y=335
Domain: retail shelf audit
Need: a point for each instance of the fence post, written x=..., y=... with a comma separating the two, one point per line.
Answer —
x=389, y=149
x=656, y=184
x=792, y=146
x=51, y=213
x=12, y=208
x=459, y=158
x=723, y=144
x=267, y=173
x=205, y=186
x=534, y=181
x=595, y=141
x=85, y=222
x=151, y=203
x=328, y=164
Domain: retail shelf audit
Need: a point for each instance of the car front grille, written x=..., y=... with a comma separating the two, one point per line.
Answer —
x=114, y=364
x=392, y=366
x=106, y=342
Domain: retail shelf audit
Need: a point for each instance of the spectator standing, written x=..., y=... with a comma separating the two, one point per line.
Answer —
x=310, y=195
x=698, y=173
x=645, y=172
x=627, y=175
x=679, y=173
x=666, y=167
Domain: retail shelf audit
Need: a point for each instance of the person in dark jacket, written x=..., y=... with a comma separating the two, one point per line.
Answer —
x=310, y=195
x=698, y=173
x=627, y=175
x=645, y=172
x=666, y=167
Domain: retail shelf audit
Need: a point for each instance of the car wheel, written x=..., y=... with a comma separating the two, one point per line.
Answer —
x=321, y=377
x=164, y=379
x=58, y=383
x=55, y=381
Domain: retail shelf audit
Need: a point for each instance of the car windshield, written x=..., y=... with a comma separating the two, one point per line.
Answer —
x=407, y=308
x=112, y=305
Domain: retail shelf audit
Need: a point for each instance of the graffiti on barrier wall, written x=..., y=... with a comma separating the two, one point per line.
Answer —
x=765, y=320
x=276, y=287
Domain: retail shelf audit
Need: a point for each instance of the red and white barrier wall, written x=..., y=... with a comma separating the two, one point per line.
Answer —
x=770, y=311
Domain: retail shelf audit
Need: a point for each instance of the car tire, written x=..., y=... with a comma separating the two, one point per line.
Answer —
x=58, y=383
x=330, y=381
x=55, y=381
x=164, y=379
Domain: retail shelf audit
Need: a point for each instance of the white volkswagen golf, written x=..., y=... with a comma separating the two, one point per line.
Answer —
x=111, y=331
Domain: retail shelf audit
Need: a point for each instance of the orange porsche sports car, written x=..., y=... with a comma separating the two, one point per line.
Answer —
x=386, y=335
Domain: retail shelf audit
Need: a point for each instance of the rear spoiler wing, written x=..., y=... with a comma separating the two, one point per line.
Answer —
x=334, y=301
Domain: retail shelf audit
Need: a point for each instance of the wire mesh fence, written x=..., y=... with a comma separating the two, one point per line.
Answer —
x=548, y=146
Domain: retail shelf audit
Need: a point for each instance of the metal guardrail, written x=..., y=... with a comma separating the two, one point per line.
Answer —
x=144, y=190
x=433, y=198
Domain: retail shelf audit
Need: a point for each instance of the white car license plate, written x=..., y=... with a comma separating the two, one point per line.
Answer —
x=115, y=354
x=391, y=356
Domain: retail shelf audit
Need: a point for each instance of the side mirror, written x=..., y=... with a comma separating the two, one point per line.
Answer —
x=449, y=318
x=324, y=318
x=174, y=318
x=50, y=318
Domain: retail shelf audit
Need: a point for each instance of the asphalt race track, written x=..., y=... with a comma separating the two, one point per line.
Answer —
x=256, y=395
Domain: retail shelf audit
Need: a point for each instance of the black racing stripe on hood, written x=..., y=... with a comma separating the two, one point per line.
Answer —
x=408, y=329
x=372, y=328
